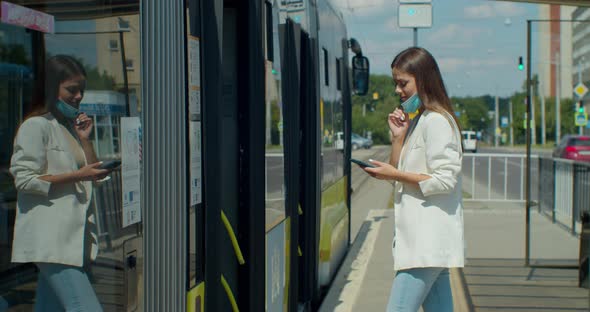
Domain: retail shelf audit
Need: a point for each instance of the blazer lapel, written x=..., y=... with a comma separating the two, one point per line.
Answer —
x=411, y=141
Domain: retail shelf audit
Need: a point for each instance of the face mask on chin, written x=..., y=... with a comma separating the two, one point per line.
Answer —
x=412, y=104
x=66, y=109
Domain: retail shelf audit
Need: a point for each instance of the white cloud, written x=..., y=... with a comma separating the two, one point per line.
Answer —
x=392, y=24
x=479, y=11
x=363, y=7
x=509, y=9
x=454, y=32
x=489, y=10
x=455, y=64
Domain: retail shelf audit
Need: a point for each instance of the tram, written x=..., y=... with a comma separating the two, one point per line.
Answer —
x=234, y=189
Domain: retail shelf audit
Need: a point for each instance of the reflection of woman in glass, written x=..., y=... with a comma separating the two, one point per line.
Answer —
x=53, y=165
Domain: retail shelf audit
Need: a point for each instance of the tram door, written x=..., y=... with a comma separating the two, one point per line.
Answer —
x=309, y=169
x=229, y=170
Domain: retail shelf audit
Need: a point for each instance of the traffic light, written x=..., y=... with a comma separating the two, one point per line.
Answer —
x=520, y=64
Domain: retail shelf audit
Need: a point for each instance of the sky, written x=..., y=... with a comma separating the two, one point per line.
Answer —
x=475, y=42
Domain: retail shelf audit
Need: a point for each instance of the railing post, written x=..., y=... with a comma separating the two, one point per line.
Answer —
x=540, y=162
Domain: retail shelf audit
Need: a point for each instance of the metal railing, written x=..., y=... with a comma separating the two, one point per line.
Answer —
x=560, y=188
x=107, y=201
x=565, y=191
x=494, y=177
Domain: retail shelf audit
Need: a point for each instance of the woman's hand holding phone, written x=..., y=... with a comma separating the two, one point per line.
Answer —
x=92, y=172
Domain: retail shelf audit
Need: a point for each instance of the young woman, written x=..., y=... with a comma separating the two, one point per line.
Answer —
x=53, y=165
x=425, y=164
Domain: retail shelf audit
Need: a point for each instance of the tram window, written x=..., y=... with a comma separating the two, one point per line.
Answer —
x=338, y=78
x=269, y=35
x=326, y=68
x=86, y=45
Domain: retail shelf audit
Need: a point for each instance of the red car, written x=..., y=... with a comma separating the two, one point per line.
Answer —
x=574, y=147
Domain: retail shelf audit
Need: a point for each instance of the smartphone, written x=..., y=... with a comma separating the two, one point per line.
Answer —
x=362, y=163
x=110, y=164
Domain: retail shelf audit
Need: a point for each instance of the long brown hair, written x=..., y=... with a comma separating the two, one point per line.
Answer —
x=431, y=89
x=58, y=69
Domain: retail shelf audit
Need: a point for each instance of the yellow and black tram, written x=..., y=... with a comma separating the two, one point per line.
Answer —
x=234, y=188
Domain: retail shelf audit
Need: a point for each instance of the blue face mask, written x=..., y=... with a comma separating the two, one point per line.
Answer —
x=66, y=109
x=412, y=104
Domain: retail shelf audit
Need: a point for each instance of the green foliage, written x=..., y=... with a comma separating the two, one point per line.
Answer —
x=99, y=81
x=375, y=119
x=14, y=54
x=475, y=116
x=473, y=112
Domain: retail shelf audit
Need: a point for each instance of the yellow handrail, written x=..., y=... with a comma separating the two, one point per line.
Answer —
x=232, y=237
x=230, y=295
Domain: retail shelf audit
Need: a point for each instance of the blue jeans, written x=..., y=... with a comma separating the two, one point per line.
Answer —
x=64, y=288
x=426, y=287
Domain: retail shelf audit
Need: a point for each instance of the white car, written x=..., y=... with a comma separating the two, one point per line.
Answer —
x=469, y=141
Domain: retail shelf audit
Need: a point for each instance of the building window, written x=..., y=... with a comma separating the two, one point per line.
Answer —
x=123, y=24
x=129, y=64
x=114, y=45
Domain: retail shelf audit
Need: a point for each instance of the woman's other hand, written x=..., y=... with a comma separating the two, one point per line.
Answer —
x=398, y=123
x=382, y=171
x=83, y=126
x=92, y=173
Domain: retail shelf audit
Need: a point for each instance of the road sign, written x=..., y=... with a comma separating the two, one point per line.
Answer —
x=581, y=119
x=415, y=15
x=504, y=122
x=580, y=90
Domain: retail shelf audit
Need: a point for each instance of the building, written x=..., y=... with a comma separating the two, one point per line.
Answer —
x=553, y=60
x=581, y=46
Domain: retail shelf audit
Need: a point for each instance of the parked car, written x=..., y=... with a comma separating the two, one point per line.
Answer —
x=574, y=147
x=358, y=141
x=469, y=141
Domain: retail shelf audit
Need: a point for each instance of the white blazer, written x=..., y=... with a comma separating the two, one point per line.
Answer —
x=429, y=219
x=51, y=220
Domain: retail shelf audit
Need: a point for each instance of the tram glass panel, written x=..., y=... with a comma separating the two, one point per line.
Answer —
x=107, y=247
x=275, y=160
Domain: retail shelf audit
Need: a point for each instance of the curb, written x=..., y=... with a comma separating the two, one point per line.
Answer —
x=461, y=297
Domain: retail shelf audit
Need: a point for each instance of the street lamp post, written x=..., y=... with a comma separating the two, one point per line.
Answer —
x=557, y=100
x=580, y=129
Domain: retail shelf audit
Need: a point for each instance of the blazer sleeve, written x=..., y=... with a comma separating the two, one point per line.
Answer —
x=29, y=159
x=443, y=156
